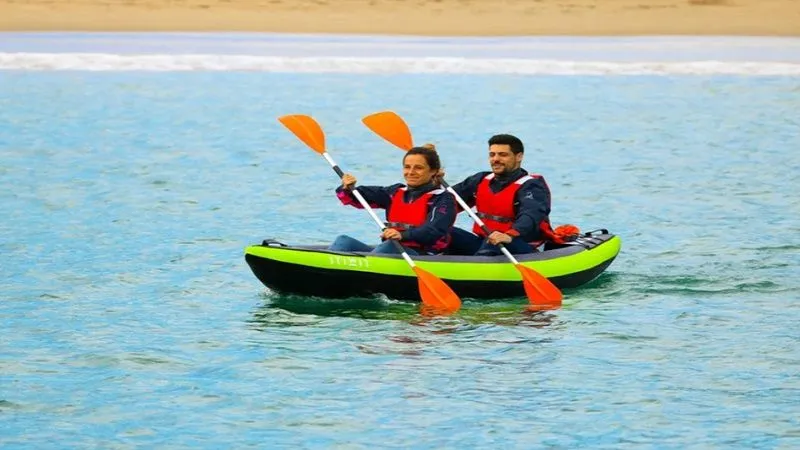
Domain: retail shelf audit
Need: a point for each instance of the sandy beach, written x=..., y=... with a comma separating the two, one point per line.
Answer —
x=412, y=17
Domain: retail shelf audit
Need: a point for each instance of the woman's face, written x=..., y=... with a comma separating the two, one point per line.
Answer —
x=416, y=170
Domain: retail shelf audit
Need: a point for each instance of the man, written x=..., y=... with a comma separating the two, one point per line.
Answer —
x=514, y=205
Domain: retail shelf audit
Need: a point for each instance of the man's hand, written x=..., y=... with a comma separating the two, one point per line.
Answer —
x=391, y=233
x=497, y=238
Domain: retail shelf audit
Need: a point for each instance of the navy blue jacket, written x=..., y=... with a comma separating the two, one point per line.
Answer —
x=433, y=233
x=531, y=204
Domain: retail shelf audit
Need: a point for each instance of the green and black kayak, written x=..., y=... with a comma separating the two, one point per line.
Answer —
x=315, y=271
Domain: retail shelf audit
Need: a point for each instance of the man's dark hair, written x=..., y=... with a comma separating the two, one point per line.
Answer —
x=509, y=140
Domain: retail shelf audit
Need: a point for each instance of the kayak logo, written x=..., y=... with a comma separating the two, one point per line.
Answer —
x=348, y=261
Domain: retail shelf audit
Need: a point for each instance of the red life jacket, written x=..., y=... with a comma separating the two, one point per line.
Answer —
x=403, y=216
x=497, y=212
x=496, y=209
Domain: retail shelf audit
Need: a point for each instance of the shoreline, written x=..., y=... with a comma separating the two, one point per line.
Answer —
x=400, y=53
x=457, y=18
x=303, y=53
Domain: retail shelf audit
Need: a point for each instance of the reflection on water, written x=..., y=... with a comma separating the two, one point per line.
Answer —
x=283, y=310
x=292, y=310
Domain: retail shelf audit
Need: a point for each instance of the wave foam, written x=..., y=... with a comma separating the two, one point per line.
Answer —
x=379, y=65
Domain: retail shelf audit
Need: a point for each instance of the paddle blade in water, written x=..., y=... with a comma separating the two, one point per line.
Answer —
x=541, y=292
x=390, y=126
x=306, y=129
x=435, y=293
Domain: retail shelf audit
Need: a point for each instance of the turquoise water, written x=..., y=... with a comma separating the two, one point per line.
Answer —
x=130, y=318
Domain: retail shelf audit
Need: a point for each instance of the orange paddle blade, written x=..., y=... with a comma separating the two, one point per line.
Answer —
x=435, y=293
x=390, y=126
x=306, y=129
x=541, y=291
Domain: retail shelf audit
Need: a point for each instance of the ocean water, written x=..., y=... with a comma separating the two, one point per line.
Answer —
x=136, y=168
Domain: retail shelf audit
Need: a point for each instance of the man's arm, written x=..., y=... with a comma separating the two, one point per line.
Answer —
x=468, y=188
x=533, y=207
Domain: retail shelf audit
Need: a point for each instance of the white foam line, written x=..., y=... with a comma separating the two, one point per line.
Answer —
x=380, y=65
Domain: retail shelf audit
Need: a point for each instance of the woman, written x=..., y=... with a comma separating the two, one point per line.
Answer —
x=419, y=214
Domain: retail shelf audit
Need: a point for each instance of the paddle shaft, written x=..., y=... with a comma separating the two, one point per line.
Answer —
x=369, y=210
x=393, y=128
x=477, y=220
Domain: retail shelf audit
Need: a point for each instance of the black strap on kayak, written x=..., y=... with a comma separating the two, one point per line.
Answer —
x=589, y=240
x=273, y=242
x=599, y=231
x=586, y=240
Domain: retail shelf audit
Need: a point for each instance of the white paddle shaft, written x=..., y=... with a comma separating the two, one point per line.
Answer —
x=477, y=219
x=368, y=208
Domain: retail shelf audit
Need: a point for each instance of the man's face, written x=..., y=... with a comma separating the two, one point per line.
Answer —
x=502, y=160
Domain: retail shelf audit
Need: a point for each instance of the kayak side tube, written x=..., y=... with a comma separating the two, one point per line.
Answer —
x=313, y=270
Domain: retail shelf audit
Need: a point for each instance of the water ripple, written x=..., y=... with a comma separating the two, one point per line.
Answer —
x=131, y=320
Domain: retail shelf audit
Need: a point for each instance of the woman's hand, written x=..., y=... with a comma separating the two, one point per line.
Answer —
x=348, y=182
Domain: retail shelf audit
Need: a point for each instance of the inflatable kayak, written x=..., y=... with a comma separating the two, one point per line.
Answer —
x=313, y=270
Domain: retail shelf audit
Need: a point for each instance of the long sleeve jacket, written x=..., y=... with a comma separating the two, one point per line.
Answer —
x=434, y=233
x=531, y=202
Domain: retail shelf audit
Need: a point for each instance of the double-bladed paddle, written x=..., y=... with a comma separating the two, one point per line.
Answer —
x=433, y=292
x=541, y=292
